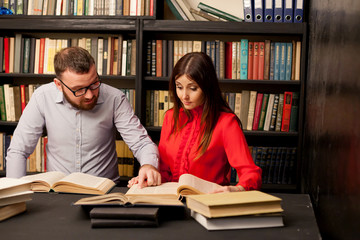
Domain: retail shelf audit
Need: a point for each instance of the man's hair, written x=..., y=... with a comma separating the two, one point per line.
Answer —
x=75, y=59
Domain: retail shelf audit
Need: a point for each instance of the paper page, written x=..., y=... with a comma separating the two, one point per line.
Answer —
x=200, y=184
x=165, y=188
x=84, y=179
x=48, y=177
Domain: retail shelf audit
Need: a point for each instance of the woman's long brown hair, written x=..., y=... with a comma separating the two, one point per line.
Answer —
x=199, y=67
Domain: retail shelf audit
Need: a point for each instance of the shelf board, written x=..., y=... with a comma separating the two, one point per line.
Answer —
x=224, y=27
x=67, y=23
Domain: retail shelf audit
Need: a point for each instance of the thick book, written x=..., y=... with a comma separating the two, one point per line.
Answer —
x=285, y=122
x=129, y=213
x=73, y=183
x=13, y=190
x=12, y=210
x=239, y=222
x=234, y=204
x=165, y=194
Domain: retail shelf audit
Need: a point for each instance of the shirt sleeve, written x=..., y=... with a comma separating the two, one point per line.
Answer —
x=239, y=156
x=25, y=138
x=134, y=134
x=165, y=171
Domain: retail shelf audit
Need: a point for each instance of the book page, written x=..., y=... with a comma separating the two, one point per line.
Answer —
x=196, y=184
x=169, y=188
x=47, y=178
x=111, y=198
x=82, y=179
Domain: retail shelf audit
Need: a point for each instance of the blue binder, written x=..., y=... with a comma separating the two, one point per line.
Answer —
x=248, y=11
x=288, y=10
x=269, y=10
x=258, y=10
x=298, y=11
x=278, y=11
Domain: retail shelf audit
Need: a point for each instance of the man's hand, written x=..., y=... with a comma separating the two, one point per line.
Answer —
x=148, y=176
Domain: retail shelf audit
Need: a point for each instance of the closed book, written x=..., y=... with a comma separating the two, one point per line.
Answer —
x=285, y=122
x=129, y=213
x=272, y=61
x=252, y=103
x=12, y=210
x=288, y=61
x=264, y=107
x=17, y=102
x=282, y=64
x=261, y=60
x=294, y=114
x=274, y=113
x=125, y=223
x=279, y=113
x=269, y=111
x=234, y=204
x=244, y=59
x=2, y=104
x=239, y=222
x=277, y=61
x=219, y=13
x=159, y=55
x=244, y=108
x=267, y=60
x=228, y=60
x=257, y=113
x=250, y=60
x=297, y=61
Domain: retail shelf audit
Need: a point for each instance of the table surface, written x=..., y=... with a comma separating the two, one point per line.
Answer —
x=52, y=216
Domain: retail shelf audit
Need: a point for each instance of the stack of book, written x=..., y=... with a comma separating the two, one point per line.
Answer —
x=236, y=210
x=107, y=217
x=13, y=196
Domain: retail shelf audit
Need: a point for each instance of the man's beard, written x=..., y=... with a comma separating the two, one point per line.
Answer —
x=81, y=105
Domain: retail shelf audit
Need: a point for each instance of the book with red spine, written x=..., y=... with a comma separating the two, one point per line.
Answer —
x=228, y=60
x=6, y=55
x=250, y=60
x=23, y=97
x=261, y=60
x=256, y=61
x=285, y=123
x=41, y=55
x=259, y=100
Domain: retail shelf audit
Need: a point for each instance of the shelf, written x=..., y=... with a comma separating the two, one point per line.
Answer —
x=224, y=27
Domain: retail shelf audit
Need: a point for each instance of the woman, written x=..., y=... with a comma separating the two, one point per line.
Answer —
x=200, y=134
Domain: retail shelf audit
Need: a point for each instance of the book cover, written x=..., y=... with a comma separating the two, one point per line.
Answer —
x=277, y=61
x=228, y=60
x=123, y=223
x=272, y=61
x=250, y=60
x=269, y=111
x=239, y=222
x=274, y=113
x=12, y=210
x=244, y=108
x=159, y=55
x=297, y=60
x=285, y=122
x=282, y=63
x=267, y=47
x=279, y=113
x=288, y=64
x=2, y=104
x=234, y=204
x=251, y=111
x=256, y=61
x=218, y=12
x=148, y=213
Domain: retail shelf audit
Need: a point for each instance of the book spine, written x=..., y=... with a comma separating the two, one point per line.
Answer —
x=285, y=122
x=279, y=113
x=261, y=60
x=288, y=64
x=250, y=60
x=256, y=61
x=282, y=61
x=294, y=115
x=257, y=113
x=263, y=111
x=228, y=60
x=244, y=59
x=274, y=113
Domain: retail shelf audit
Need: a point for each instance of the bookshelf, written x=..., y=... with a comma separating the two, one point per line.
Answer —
x=144, y=29
x=232, y=31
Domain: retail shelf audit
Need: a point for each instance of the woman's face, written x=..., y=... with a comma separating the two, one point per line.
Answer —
x=189, y=92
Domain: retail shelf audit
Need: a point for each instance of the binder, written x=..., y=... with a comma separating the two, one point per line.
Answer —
x=298, y=11
x=278, y=10
x=248, y=11
x=258, y=11
x=288, y=10
x=269, y=11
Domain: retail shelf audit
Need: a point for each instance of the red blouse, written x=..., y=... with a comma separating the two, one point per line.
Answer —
x=228, y=148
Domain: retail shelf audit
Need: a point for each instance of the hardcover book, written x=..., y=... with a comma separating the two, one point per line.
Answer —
x=234, y=204
x=12, y=210
x=73, y=183
x=13, y=190
x=239, y=222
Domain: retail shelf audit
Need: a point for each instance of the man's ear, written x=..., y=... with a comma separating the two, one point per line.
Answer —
x=58, y=84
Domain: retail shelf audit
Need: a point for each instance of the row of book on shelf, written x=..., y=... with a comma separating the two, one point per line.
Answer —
x=257, y=111
x=243, y=59
x=36, y=162
x=278, y=164
x=13, y=99
x=81, y=7
x=113, y=55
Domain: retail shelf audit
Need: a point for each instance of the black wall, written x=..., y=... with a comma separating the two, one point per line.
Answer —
x=331, y=173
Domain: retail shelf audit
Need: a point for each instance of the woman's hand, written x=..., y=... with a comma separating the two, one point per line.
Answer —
x=133, y=181
x=237, y=188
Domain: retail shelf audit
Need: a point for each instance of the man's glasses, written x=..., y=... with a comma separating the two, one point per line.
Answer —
x=82, y=91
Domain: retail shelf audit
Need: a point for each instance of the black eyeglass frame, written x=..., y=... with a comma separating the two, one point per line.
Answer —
x=81, y=89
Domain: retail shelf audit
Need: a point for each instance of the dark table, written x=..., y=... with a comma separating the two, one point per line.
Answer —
x=52, y=216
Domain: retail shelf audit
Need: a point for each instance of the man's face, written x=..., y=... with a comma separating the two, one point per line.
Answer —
x=76, y=81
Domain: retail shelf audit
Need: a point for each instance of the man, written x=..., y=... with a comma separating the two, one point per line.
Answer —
x=80, y=115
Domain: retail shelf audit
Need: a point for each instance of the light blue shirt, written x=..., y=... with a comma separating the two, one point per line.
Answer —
x=79, y=140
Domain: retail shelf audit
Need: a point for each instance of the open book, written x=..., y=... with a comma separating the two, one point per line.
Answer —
x=164, y=194
x=72, y=183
